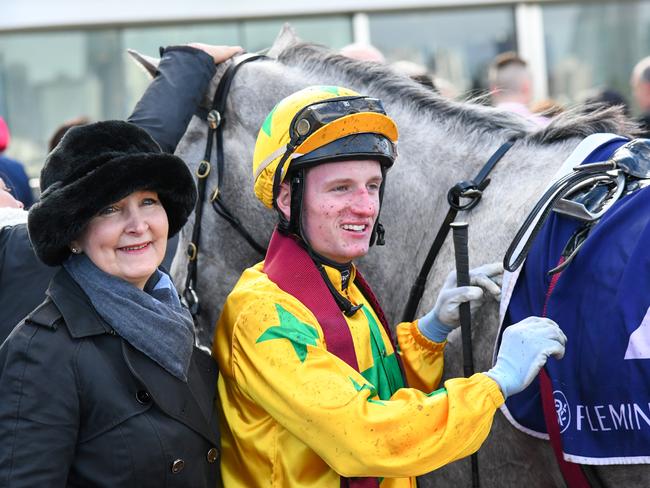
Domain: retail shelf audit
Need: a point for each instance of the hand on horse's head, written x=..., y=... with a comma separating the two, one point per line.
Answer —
x=218, y=53
x=445, y=315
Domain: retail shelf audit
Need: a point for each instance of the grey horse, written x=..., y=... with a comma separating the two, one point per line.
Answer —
x=441, y=142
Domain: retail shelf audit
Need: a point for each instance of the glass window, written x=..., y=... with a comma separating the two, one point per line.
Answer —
x=456, y=45
x=332, y=31
x=48, y=78
x=594, y=45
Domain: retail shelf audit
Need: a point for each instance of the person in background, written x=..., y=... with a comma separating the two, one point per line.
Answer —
x=12, y=171
x=363, y=52
x=313, y=389
x=606, y=97
x=547, y=107
x=23, y=278
x=640, y=83
x=416, y=72
x=511, y=87
x=63, y=128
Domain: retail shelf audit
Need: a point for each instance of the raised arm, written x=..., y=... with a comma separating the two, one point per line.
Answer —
x=181, y=80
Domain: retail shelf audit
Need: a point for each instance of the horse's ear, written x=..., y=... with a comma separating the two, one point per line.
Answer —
x=286, y=38
x=149, y=64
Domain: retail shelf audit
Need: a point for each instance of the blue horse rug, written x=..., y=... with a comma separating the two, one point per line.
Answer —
x=601, y=388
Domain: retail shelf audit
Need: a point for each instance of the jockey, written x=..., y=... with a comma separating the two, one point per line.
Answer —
x=313, y=389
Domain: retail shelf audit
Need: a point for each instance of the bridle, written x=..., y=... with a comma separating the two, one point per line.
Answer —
x=215, y=118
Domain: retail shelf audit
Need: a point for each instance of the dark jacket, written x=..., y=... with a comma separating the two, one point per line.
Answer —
x=23, y=278
x=13, y=174
x=80, y=407
x=164, y=111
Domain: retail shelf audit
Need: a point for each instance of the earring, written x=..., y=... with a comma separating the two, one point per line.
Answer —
x=75, y=250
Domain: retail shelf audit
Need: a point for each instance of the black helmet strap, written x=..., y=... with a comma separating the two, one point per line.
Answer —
x=378, y=232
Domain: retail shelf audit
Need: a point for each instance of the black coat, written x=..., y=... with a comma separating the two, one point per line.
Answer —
x=80, y=407
x=23, y=278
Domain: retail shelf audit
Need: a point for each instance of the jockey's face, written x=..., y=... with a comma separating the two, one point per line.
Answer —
x=340, y=206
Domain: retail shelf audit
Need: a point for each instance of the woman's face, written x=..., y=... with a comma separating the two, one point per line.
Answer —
x=128, y=238
x=6, y=198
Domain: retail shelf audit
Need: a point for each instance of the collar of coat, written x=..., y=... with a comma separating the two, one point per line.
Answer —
x=72, y=305
x=190, y=403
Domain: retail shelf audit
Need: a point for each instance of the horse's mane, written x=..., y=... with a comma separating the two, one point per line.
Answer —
x=387, y=84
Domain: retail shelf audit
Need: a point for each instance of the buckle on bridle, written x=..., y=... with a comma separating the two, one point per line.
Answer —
x=467, y=190
x=204, y=169
x=191, y=300
x=214, y=119
x=192, y=251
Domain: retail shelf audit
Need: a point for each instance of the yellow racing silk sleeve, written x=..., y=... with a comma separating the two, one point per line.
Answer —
x=274, y=360
x=423, y=359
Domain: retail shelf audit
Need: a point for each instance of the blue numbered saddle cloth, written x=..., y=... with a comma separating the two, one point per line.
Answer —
x=601, y=388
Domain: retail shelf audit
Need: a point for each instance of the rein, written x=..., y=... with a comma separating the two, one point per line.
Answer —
x=215, y=119
x=472, y=190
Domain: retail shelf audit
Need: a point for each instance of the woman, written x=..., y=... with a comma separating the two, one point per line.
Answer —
x=164, y=111
x=102, y=385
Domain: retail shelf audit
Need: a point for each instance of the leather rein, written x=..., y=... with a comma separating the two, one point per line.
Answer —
x=216, y=120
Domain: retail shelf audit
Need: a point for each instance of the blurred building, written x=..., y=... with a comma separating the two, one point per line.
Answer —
x=63, y=59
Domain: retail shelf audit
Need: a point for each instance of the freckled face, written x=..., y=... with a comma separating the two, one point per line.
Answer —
x=128, y=238
x=6, y=198
x=340, y=206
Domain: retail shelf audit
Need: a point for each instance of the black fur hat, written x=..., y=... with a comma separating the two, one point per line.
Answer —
x=95, y=165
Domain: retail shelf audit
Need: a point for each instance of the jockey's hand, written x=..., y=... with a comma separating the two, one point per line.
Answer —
x=525, y=347
x=218, y=53
x=445, y=316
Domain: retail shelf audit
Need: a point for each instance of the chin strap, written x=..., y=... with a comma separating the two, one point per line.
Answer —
x=343, y=303
x=378, y=232
x=377, y=236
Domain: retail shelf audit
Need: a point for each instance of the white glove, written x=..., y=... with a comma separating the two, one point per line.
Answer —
x=525, y=347
x=445, y=315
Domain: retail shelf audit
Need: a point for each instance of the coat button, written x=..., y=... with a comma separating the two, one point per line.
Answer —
x=177, y=466
x=213, y=454
x=143, y=397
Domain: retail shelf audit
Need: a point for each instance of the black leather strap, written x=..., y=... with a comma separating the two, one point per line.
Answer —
x=472, y=190
x=215, y=118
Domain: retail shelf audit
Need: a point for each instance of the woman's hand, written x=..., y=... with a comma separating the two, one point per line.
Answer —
x=218, y=53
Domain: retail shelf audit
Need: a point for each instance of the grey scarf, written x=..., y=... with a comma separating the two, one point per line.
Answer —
x=153, y=321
